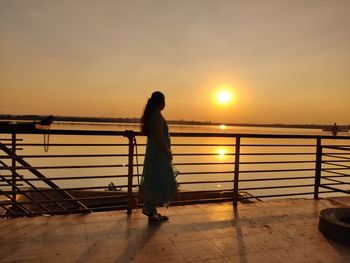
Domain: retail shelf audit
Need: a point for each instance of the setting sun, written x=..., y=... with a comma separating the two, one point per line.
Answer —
x=221, y=153
x=224, y=97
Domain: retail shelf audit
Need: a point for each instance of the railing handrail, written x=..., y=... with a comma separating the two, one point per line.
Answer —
x=30, y=130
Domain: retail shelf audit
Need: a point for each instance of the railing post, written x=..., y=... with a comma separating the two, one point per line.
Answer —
x=236, y=174
x=318, y=167
x=13, y=169
x=131, y=138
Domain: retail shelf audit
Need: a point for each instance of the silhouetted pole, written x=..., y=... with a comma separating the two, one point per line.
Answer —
x=13, y=166
x=131, y=138
x=318, y=167
x=236, y=174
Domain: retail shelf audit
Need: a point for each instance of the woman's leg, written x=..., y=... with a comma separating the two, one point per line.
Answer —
x=149, y=209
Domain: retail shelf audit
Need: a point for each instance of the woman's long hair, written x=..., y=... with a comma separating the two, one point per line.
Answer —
x=154, y=102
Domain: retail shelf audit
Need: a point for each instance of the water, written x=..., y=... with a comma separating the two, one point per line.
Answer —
x=203, y=168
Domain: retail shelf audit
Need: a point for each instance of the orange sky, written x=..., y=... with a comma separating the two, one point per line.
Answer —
x=286, y=61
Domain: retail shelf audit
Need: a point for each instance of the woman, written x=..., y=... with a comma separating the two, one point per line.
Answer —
x=158, y=184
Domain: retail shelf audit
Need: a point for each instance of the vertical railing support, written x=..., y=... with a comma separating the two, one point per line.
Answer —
x=131, y=138
x=318, y=167
x=13, y=169
x=236, y=173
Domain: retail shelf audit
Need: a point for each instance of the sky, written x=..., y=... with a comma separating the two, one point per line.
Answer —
x=282, y=61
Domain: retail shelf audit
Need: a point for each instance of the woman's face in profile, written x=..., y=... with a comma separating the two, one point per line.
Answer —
x=162, y=105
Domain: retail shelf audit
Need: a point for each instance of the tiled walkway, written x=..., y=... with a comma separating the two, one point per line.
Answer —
x=270, y=231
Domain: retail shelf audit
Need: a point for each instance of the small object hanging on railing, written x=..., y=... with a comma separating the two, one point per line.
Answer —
x=45, y=124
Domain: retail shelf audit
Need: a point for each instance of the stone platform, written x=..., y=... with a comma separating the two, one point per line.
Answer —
x=270, y=231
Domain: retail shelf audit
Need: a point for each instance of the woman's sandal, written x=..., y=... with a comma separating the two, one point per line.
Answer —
x=163, y=218
x=158, y=218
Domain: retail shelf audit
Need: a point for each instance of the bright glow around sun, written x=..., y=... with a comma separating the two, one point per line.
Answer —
x=221, y=153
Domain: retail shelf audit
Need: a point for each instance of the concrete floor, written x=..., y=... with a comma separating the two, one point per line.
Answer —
x=270, y=231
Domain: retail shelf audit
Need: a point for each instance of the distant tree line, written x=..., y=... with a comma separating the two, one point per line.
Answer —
x=10, y=117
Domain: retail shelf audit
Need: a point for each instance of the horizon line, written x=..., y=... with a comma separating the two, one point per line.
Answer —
x=37, y=117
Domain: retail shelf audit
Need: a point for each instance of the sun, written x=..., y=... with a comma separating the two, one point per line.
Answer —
x=224, y=96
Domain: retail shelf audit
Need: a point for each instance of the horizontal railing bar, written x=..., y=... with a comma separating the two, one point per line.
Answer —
x=218, y=154
x=333, y=169
x=196, y=154
x=82, y=166
x=253, y=135
x=175, y=154
x=255, y=179
x=245, y=145
x=205, y=182
x=281, y=195
x=276, y=179
x=279, y=170
x=343, y=148
x=334, y=183
x=340, y=174
x=337, y=161
x=197, y=144
x=213, y=163
x=255, y=171
x=333, y=180
x=335, y=156
x=279, y=145
x=141, y=155
x=287, y=153
x=224, y=163
x=337, y=145
x=72, y=177
x=69, y=200
x=335, y=164
x=243, y=189
x=276, y=187
x=30, y=130
x=221, y=191
x=334, y=189
x=277, y=162
x=242, y=145
x=68, y=156
x=69, y=144
x=218, y=172
x=184, y=164
x=64, y=167
x=63, y=189
x=7, y=185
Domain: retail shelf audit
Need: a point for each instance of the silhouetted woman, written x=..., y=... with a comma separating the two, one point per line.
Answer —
x=158, y=184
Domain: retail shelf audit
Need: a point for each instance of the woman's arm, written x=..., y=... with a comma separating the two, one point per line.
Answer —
x=159, y=136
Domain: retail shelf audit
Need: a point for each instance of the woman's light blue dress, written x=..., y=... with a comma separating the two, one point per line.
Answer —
x=158, y=180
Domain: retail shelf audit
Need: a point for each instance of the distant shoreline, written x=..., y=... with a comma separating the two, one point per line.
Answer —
x=10, y=117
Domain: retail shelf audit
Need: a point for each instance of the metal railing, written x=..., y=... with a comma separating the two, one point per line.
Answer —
x=335, y=167
x=96, y=170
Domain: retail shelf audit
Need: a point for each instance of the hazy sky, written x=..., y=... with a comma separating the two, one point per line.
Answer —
x=285, y=61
